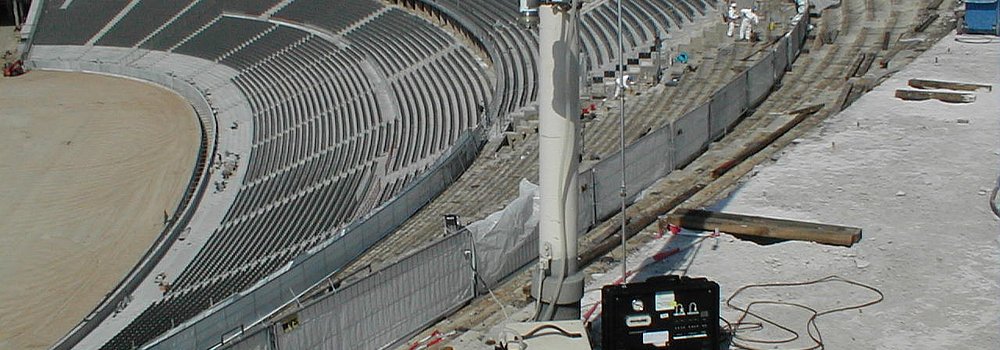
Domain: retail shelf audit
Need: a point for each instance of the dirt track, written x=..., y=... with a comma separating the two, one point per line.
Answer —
x=88, y=165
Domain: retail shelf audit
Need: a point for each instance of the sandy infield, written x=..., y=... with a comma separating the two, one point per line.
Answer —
x=88, y=165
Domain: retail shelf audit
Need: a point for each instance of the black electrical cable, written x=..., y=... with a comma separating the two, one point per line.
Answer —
x=563, y=332
x=812, y=328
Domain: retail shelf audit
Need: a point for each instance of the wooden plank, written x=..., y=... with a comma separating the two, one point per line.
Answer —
x=608, y=234
x=842, y=99
x=855, y=66
x=921, y=95
x=758, y=226
x=934, y=5
x=866, y=66
x=809, y=110
x=926, y=23
x=938, y=84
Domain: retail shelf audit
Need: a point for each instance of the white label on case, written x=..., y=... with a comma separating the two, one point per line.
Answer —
x=658, y=339
x=664, y=301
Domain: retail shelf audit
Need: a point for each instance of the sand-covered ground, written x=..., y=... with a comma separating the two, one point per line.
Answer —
x=88, y=165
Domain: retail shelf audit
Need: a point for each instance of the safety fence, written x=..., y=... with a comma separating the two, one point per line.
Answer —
x=388, y=306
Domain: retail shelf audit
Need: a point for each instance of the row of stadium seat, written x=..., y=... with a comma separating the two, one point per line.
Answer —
x=165, y=314
x=339, y=126
x=643, y=21
x=298, y=161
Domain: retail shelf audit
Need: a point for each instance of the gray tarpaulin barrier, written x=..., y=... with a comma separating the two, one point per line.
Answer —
x=646, y=160
x=760, y=79
x=390, y=304
x=820, y=5
x=690, y=135
x=781, y=58
x=727, y=106
x=607, y=184
x=586, y=200
x=258, y=340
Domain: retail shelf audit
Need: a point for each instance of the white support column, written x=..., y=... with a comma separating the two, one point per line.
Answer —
x=561, y=284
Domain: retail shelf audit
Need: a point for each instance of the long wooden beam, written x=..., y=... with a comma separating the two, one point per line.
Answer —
x=921, y=95
x=938, y=84
x=765, y=227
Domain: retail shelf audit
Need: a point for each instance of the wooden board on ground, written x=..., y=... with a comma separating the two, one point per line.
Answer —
x=765, y=227
x=938, y=84
x=920, y=95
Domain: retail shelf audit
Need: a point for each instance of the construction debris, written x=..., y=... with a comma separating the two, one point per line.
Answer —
x=764, y=227
x=950, y=97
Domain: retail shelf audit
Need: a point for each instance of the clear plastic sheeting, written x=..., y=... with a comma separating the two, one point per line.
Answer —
x=507, y=240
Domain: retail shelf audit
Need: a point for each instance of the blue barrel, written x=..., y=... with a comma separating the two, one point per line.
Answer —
x=982, y=16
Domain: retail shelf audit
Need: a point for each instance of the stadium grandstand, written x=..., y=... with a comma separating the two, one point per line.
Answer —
x=315, y=115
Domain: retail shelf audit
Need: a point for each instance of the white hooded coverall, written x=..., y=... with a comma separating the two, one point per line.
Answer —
x=746, y=25
x=733, y=15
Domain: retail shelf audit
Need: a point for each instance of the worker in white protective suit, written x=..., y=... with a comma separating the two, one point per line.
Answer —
x=749, y=19
x=731, y=18
x=622, y=86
